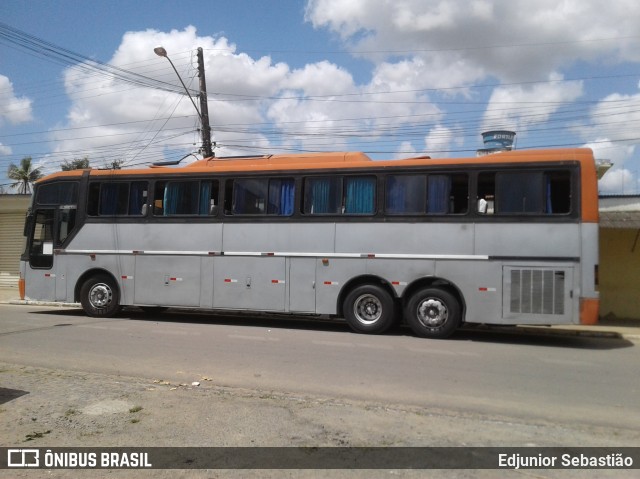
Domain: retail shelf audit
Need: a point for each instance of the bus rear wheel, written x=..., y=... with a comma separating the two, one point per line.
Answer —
x=369, y=309
x=433, y=313
x=100, y=297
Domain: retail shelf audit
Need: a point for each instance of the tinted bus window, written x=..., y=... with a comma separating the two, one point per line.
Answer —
x=322, y=196
x=193, y=197
x=437, y=194
x=525, y=192
x=117, y=199
x=62, y=193
x=268, y=196
x=352, y=195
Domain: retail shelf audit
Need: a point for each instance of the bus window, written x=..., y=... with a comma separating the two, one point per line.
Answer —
x=281, y=196
x=322, y=195
x=525, y=192
x=360, y=195
x=61, y=193
x=519, y=192
x=447, y=194
x=268, y=196
x=406, y=194
x=558, y=192
x=351, y=195
x=66, y=223
x=41, y=250
x=486, y=193
x=117, y=199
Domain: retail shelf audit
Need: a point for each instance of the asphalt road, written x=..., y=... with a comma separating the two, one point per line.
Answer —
x=592, y=381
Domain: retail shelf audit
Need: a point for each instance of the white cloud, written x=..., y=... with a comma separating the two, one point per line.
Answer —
x=518, y=107
x=620, y=181
x=13, y=109
x=5, y=150
x=511, y=39
x=439, y=141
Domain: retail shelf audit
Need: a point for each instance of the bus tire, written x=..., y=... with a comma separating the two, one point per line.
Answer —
x=369, y=309
x=433, y=313
x=100, y=297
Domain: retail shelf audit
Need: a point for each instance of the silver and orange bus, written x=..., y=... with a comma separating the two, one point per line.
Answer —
x=510, y=238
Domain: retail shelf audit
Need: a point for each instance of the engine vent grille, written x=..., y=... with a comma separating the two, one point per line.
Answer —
x=537, y=291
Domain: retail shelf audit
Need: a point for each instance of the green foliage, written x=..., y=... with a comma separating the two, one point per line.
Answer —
x=23, y=175
x=76, y=164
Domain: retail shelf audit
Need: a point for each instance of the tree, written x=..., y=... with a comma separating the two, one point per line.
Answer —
x=115, y=165
x=24, y=175
x=77, y=164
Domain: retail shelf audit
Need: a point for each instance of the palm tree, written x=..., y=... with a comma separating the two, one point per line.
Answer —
x=24, y=175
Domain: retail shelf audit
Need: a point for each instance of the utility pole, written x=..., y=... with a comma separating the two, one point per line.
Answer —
x=204, y=109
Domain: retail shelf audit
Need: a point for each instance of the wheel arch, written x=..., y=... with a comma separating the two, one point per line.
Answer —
x=88, y=274
x=359, y=281
x=435, y=282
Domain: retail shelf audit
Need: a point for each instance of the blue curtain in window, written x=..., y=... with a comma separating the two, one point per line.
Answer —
x=181, y=198
x=549, y=204
x=281, y=197
x=205, y=197
x=396, y=194
x=108, y=198
x=406, y=194
x=320, y=197
x=520, y=192
x=171, y=198
x=438, y=194
x=360, y=196
x=137, y=197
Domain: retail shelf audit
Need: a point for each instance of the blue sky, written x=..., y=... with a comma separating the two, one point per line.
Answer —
x=390, y=78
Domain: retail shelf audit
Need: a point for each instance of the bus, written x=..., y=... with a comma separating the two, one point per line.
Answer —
x=505, y=239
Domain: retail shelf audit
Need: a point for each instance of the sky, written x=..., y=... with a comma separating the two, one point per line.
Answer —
x=391, y=78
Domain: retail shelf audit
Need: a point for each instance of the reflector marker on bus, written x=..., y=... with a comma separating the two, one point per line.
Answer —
x=229, y=280
x=277, y=281
x=49, y=275
x=175, y=279
x=487, y=290
x=127, y=277
x=331, y=283
x=399, y=283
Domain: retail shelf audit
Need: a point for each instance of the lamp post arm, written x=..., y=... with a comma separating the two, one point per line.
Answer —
x=185, y=87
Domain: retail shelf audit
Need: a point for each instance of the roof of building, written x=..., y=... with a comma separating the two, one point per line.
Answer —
x=620, y=219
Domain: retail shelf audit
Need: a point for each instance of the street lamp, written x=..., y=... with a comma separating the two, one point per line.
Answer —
x=204, y=116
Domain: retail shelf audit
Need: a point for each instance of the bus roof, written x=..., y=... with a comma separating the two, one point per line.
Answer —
x=341, y=160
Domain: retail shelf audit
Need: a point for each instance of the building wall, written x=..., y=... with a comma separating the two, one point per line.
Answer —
x=620, y=273
x=13, y=209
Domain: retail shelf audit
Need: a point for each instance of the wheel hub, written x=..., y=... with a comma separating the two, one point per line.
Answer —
x=432, y=313
x=367, y=309
x=100, y=295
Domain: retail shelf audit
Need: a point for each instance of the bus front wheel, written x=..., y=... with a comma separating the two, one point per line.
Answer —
x=369, y=309
x=433, y=313
x=100, y=297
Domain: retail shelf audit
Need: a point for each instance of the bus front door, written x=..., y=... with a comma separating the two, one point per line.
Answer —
x=40, y=275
